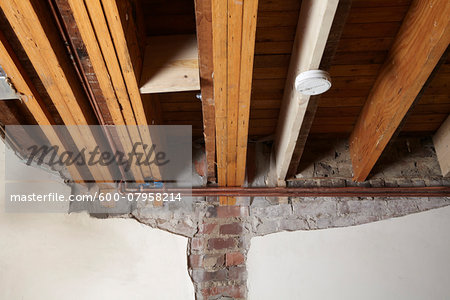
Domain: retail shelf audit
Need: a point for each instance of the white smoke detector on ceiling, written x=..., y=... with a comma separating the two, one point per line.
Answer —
x=313, y=82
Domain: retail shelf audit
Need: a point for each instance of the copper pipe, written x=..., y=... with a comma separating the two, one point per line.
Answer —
x=441, y=191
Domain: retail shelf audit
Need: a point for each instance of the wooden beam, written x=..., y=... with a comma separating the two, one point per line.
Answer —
x=315, y=21
x=250, y=12
x=22, y=83
x=234, y=33
x=124, y=32
x=203, y=17
x=128, y=52
x=219, y=25
x=421, y=41
x=35, y=30
x=234, y=28
x=77, y=49
x=441, y=141
x=87, y=33
x=96, y=39
x=43, y=46
x=24, y=86
x=331, y=46
x=105, y=56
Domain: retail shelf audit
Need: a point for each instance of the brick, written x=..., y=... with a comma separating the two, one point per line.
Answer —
x=201, y=275
x=220, y=243
x=197, y=243
x=237, y=273
x=198, y=275
x=233, y=228
x=195, y=260
x=214, y=261
x=234, y=258
x=234, y=291
x=232, y=211
x=207, y=228
x=220, y=275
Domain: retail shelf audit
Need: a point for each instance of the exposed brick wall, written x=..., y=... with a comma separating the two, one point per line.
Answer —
x=219, y=236
x=218, y=252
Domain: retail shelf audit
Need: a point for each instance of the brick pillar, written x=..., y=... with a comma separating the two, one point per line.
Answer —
x=217, y=253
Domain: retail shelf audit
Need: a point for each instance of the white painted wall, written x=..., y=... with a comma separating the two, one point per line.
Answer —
x=60, y=256
x=403, y=258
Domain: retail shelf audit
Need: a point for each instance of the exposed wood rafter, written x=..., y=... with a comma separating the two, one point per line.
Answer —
x=234, y=28
x=219, y=27
x=35, y=30
x=331, y=46
x=203, y=16
x=249, y=16
x=315, y=21
x=129, y=51
x=420, y=43
x=13, y=68
x=96, y=38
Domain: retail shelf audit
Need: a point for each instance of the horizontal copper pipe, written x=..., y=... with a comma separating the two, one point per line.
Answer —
x=300, y=192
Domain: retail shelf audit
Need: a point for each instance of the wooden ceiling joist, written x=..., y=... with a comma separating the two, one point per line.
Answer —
x=219, y=28
x=420, y=43
x=35, y=30
x=203, y=17
x=442, y=145
x=331, y=47
x=19, y=78
x=249, y=16
x=14, y=70
x=314, y=24
x=128, y=52
x=100, y=36
x=125, y=38
x=234, y=42
x=96, y=38
x=234, y=28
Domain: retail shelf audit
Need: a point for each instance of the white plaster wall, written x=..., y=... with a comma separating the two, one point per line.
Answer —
x=403, y=258
x=60, y=256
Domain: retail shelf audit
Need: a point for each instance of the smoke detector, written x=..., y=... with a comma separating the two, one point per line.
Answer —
x=313, y=82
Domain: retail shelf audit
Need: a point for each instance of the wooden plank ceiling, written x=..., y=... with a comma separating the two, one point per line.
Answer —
x=367, y=37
